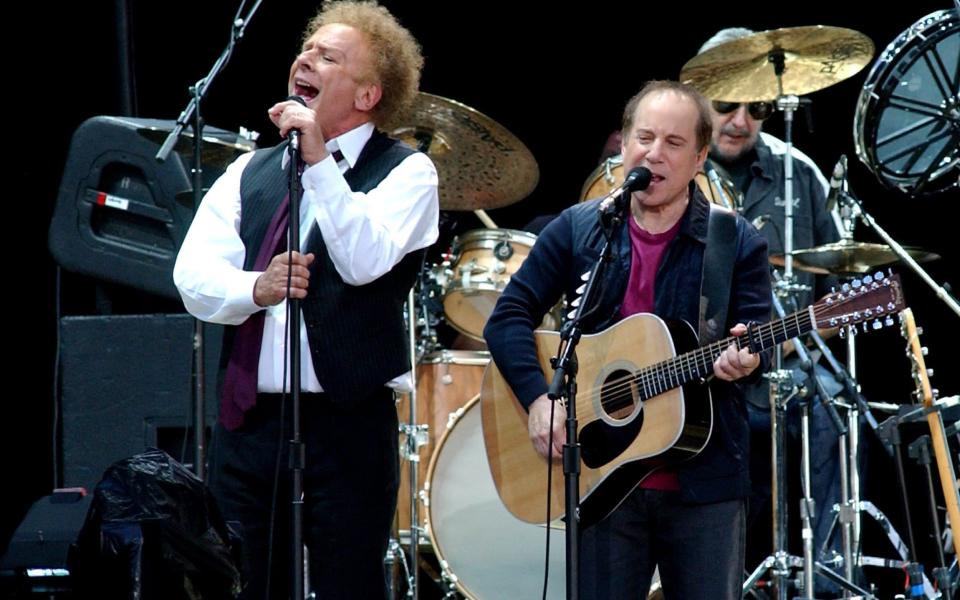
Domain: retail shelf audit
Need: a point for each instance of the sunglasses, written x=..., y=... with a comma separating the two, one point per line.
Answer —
x=757, y=110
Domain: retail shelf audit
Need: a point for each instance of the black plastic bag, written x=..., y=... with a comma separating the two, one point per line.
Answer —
x=154, y=531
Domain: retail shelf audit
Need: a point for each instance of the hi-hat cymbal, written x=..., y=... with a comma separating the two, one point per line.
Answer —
x=849, y=258
x=814, y=57
x=481, y=165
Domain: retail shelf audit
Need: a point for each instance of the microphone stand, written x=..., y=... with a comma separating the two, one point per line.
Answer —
x=854, y=207
x=564, y=383
x=297, y=456
x=192, y=114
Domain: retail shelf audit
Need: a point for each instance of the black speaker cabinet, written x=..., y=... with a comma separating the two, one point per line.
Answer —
x=120, y=214
x=127, y=385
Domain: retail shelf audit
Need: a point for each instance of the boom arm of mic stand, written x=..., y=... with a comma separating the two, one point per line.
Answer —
x=850, y=386
x=865, y=217
x=239, y=26
x=807, y=365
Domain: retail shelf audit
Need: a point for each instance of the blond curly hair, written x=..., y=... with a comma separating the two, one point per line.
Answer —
x=397, y=60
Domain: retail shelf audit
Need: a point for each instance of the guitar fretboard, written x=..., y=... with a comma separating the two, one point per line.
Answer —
x=661, y=377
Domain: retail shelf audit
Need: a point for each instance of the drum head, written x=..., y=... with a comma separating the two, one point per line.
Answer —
x=906, y=125
x=489, y=553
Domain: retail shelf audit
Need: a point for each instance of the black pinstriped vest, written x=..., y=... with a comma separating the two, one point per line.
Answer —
x=356, y=333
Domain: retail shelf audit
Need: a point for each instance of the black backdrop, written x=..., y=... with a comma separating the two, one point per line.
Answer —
x=555, y=77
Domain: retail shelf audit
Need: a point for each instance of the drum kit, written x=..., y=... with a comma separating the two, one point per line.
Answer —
x=451, y=509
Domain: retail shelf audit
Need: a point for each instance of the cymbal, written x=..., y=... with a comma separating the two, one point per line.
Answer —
x=815, y=57
x=481, y=165
x=849, y=258
x=219, y=147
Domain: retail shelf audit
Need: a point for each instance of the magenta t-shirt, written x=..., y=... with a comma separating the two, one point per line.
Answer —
x=647, y=250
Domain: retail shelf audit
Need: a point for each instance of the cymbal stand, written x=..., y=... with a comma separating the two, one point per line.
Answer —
x=414, y=435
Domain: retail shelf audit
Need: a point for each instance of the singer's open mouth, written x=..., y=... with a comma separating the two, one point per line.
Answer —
x=304, y=90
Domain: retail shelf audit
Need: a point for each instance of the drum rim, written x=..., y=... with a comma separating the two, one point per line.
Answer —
x=494, y=235
x=470, y=358
x=428, y=487
x=615, y=160
x=864, y=128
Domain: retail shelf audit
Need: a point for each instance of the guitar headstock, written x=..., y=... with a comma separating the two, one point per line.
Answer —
x=873, y=298
x=916, y=352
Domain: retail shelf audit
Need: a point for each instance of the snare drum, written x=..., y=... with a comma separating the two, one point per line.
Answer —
x=484, y=551
x=480, y=267
x=609, y=175
x=446, y=381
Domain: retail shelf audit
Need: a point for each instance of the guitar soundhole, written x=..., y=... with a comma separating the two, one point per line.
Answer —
x=602, y=442
x=618, y=396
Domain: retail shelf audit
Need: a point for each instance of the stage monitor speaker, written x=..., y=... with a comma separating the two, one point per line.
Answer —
x=126, y=386
x=120, y=215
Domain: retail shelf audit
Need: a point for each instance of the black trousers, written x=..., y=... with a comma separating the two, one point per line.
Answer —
x=698, y=548
x=350, y=493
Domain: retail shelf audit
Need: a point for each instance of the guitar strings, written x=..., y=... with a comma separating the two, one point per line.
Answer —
x=619, y=393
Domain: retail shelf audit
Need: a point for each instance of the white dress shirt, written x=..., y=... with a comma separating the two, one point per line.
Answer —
x=366, y=235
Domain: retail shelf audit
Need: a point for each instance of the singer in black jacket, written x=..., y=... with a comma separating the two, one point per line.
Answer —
x=689, y=518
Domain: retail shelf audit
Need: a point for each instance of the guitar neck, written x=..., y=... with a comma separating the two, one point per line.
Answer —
x=698, y=364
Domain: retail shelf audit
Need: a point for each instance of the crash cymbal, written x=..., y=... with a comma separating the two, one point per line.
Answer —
x=481, y=164
x=849, y=257
x=814, y=56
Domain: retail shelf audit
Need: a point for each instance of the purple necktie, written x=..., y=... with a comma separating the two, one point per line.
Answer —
x=240, y=380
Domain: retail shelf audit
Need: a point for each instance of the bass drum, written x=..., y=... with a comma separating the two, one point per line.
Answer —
x=902, y=126
x=484, y=551
x=609, y=175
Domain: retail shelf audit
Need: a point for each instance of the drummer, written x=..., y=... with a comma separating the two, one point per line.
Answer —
x=753, y=162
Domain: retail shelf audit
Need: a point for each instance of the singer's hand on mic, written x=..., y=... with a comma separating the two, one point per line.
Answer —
x=271, y=287
x=288, y=115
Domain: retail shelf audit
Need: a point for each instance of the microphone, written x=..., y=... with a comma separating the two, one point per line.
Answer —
x=294, y=134
x=837, y=180
x=760, y=221
x=637, y=179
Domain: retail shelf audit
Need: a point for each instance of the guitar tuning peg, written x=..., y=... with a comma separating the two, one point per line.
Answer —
x=867, y=280
x=934, y=393
x=856, y=283
x=585, y=276
x=571, y=315
x=924, y=350
x=919, y=330
x=876, y=324
x=842, y=333
x=582, y=288
x=888, y=321
x=853, y=331
x=929, y=373
x=864, y=326
x=879, y=276
x=845, y=287
x=576, y=302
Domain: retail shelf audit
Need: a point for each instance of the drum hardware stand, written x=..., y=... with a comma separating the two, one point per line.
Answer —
x=414, y=436
x=920, y=451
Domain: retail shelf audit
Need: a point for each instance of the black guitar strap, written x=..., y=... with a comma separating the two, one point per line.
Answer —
x=717, y=276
